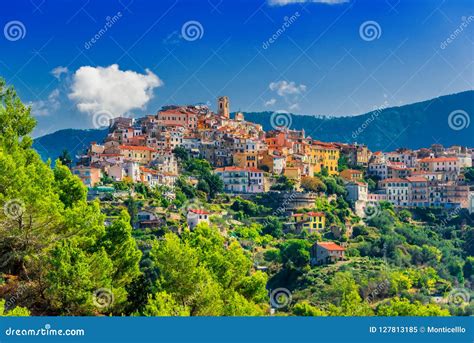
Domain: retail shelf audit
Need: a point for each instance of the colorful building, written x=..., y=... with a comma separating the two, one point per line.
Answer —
x=140, y=154
x=352, y=174
x=89, y=176
x=326, y=252
x=310, y=221
x=242, y=180
x=324, y=156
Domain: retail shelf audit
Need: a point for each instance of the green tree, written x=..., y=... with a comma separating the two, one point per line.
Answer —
x=342, y=163
x=215, y=183
x=163, y=304
x=122, y=250
x=468, y=268
x=204, y=277
x=15, y=312
x=346, y=299
x=295, y=252
x=68, y=186
x=313, y=184
x=203, y=186
x=402, y=307
x=405, y=215
x=284, y=184
x=273, y=226
x=50, y=237
x=132, y=208
x=305, y=309
x=73, y=276
x=65, y=158
x=469, y=174
x=181, y=153
x=16, y=123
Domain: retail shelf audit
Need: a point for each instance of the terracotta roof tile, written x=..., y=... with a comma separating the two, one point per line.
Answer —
x=330, y=246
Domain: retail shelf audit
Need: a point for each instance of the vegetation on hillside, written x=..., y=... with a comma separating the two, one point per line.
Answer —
x=61, y=254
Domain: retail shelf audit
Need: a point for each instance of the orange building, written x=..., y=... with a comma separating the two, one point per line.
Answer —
x=89, y=176
x=352, y=174
x=247, y=159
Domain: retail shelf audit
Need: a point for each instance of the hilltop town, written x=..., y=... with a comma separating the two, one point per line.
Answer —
x=251, y=161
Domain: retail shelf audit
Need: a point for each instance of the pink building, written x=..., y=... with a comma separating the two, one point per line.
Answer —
x=179, y=116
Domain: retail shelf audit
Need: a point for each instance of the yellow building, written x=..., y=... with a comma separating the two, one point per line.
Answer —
x=140, y=154
x=310, y=221
x=324, y=155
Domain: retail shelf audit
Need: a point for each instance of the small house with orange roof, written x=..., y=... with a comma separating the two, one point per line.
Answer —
x=326, y=252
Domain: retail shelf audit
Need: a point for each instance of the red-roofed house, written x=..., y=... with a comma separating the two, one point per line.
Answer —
x=196, y=216
x=326, y=252
x=439, y=164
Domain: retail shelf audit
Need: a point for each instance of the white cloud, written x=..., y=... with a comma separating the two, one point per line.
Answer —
x=111, y=89
x=294, y=107
x=58, y=71
x=42, y=108
x=284, y=88
x=290, y=92
x=288, y=2
x=270, y=102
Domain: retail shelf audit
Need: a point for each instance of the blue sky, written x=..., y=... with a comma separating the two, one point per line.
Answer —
x=326, y=57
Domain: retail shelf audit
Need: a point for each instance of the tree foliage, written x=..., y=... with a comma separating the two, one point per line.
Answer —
x=198, y=275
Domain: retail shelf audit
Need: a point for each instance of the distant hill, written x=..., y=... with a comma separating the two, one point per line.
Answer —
x=412, y=126
x=75, y=141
